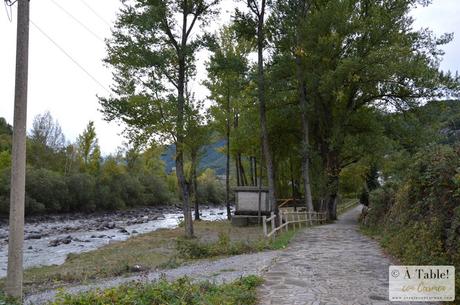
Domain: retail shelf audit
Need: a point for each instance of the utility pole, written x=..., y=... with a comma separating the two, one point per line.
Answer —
x=13, y=285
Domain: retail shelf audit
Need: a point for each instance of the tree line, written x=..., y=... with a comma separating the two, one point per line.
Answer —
x=308, y=114
x=66, y=177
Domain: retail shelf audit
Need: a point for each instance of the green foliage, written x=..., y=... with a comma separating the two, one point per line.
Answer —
x=282, y=240
x=4, y=300
x=5, y=128
x=210, y=189
x=196, y=249
x=48, y=189
x=419, y=220
x=74, y=178
x=182, y=291
x=88, y=150
x=5, y=159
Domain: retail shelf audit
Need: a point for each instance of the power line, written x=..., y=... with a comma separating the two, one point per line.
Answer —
x=78, y=21
x=69, y=56
x=8, y=5
x=95, y=13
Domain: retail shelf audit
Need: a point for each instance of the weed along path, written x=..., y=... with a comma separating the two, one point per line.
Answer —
x=332, y=264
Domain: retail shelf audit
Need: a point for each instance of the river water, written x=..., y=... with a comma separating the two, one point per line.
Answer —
x=49, y=239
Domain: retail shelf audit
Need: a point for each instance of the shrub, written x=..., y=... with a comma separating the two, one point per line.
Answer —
x=181, y=291
x=210, y=189
x=81, y=188
x=4, y=300
x=156, y=190
x=419, y=220
x=48, y=189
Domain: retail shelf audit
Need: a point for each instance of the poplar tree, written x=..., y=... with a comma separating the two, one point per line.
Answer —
x=152, y=51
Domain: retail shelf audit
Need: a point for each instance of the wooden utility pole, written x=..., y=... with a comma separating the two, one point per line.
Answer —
x=13, y=285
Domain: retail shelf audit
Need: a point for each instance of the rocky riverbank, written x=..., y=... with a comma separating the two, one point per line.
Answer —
x=50, y=238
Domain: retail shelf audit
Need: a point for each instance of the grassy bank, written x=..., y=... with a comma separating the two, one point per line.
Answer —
x=162, y=249
x=182, y=291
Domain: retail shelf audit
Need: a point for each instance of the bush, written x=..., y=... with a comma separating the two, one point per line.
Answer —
x=210, y=189
x=156, y=190
x=46, y=189
x=4, y=300
x=419, y=221
x=195, y=249
x=181, y=291
x=82, y=187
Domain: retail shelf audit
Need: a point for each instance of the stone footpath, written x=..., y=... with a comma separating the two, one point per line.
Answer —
x=332, y=264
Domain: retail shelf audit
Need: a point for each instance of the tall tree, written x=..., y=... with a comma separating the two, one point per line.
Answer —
x=288, y=21
x=253, y=24
x=47, y=132
x=361, y=55
x=227, y=77
x=198, y=135
x=88, y=149
x=152, y=50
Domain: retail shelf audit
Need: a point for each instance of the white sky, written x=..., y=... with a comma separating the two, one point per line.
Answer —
x=60, y=86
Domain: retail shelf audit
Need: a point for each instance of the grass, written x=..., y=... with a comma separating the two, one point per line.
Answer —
x=180, y=292
x=4, y=300
x=162, y=249
x=224, y=246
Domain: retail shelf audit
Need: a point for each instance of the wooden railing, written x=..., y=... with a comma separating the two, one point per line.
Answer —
x=345, y=206
x=293, y=218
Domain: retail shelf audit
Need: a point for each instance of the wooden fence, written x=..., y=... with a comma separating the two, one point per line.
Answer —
x=345, y=206
x=293, y=218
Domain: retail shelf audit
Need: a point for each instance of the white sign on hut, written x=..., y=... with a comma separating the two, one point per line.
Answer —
x=251, y=202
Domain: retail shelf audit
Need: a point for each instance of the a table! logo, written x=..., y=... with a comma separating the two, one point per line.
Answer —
x=421, y=283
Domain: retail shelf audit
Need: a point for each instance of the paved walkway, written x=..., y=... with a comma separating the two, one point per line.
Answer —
x=329, y=265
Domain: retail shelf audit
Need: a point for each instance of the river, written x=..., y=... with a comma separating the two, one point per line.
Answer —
x=49, y=239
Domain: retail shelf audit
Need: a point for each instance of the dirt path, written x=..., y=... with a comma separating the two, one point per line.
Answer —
x=329, y=265
x=219, y=270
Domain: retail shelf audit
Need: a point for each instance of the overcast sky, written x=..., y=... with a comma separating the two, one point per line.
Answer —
x=57, y=84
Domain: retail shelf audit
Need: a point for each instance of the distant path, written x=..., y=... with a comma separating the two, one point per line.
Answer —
x=332, y=264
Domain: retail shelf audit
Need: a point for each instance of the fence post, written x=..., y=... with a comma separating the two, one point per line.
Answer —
x=273, y=221
x=287, y=221
x=264, y=224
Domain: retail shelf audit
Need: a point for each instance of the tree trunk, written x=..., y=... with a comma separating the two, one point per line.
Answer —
x=227, y=165
x=237, y=171
x=251, y=169
x=302, y=87
x=194, y=184
x=180, y=132
x=262, y=110
x=333, y=172
x=243, y=179
x=333, y=188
